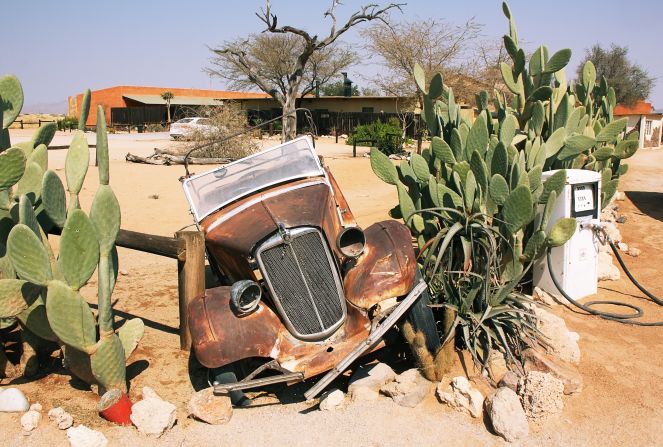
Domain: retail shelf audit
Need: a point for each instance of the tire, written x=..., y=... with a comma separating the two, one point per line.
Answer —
x=422, y=320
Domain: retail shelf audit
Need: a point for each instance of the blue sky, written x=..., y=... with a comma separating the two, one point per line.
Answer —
x=58, y=48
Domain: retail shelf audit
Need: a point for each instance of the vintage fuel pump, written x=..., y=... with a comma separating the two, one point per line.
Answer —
x=575, y=264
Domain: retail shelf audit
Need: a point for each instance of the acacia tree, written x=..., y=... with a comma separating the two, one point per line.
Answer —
x=434, y=44
x=630, y=81
x=167, y=96
x=337, y=88
x=294, y=76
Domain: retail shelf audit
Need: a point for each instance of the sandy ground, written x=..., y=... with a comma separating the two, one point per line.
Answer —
x=622, y=366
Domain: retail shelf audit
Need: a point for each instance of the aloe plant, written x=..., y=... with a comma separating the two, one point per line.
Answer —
x=471, y=199
x=41, y=291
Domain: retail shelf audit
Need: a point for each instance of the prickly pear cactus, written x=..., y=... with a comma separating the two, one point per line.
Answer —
x=41, y=291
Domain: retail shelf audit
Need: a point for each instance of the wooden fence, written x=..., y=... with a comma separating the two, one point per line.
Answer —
x=188, y=248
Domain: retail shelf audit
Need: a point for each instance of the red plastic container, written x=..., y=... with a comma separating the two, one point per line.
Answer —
x=115, y=406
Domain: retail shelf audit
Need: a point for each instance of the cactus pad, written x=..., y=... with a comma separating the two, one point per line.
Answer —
x=420, y=167
x=53, y=198
x=26, y=215
x=517, y=209
x=30, y=183
x=85, y=109
x=105, y=214
x=28, y=255
x=79, y=249
x=15, y=296
x=44, y=135
x=70, y=316
x=383, y=167
x=76, y=163
x=11, y=99
x=108, y=363
x=130, y=334
x=561, y=232
x=34, y=318
x=102, y=147
x=442, y=151
x=554, y=183
x=12, y=167
x=40, y=156
x=535, y=246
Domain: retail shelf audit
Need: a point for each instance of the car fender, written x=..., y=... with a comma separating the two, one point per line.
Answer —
x=386, y=269
x=220, y=337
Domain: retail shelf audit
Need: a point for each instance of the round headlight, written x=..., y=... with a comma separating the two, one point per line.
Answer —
x=245, y=296
x=351, y=242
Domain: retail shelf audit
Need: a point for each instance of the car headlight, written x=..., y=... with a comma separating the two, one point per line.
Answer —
x=244, y=297
x=351, y=242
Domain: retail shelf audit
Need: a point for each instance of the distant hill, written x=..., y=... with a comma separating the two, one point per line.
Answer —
x=58, y=108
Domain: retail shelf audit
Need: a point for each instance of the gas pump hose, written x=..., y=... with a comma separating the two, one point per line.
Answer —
x=630, y=318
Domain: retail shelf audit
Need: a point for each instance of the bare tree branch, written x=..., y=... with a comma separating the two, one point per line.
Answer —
x=295, y=72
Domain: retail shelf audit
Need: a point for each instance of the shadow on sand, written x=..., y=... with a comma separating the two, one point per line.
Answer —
x=650, y=203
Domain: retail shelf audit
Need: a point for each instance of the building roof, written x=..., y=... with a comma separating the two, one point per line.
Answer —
x=177, y=100
x=639, y=108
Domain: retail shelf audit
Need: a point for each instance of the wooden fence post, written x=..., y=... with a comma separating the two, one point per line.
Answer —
x=190, y=277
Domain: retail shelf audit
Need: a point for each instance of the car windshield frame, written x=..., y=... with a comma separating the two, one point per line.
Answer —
x=212, y=190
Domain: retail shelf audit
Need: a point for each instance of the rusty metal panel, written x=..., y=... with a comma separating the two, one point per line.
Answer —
x=220, y=337
x=386, y=269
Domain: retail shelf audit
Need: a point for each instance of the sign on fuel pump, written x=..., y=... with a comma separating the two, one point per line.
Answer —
x=575, y=263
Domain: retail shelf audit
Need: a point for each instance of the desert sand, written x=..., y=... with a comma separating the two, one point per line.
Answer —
x=622, y=366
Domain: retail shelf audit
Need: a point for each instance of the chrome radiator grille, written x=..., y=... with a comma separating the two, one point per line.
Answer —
x=304, y=282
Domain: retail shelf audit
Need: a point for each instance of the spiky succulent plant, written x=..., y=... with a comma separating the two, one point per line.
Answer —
x=41, y=291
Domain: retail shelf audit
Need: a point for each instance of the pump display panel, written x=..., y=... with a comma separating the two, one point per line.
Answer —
x=584, y=200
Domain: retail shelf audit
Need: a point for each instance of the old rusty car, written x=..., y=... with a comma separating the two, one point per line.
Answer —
x=306, y=291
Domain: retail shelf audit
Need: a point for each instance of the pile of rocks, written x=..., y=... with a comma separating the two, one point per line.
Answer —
x=610, y=218
x=369, y=382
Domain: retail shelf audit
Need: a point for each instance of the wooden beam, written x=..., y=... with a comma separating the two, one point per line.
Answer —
x=150, y=243
x=190, y=277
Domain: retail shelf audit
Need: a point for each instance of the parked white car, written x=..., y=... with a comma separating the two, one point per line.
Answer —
x=182, y=129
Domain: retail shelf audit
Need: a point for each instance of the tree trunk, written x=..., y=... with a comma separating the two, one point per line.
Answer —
x=289, y=119
x=168, y=111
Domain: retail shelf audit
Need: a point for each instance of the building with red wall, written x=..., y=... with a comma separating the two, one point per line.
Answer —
x=133, y=96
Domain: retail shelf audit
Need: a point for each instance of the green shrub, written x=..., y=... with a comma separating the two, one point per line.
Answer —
x=387, y=136
x=68, y=122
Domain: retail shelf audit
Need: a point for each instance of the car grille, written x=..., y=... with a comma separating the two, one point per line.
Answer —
x=304, y=282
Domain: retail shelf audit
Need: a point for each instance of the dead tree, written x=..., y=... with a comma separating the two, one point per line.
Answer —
x=237, y=58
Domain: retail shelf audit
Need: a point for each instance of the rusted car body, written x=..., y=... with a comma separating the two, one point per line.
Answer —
x=304, y=284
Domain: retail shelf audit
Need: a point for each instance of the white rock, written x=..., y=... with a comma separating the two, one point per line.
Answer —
x=81, y=436
x=541, y=395
x=461, y=396
x=622, y=246
x=607, y=271
x=13, y=400
x=541, y=296
x=563, y=343
x=633, y=251
x=409, y=388
x=619, y=195
x=366, y=381
x=153, y=416
x=30, y=420
x=36, y=407
x=149, y=393
x=207, y=407
x=507, y=415
x=497, y=365
x=612, y=231
x=62, y=419
x=332, y=399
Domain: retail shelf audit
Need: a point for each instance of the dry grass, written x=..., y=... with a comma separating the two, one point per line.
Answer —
x=226, y=120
